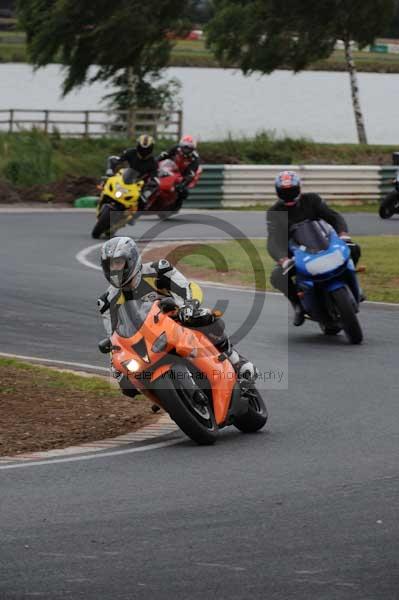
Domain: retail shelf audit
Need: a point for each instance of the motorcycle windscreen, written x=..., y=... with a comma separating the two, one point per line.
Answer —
x=131, y=317
x=313, y=235
x=167, y=168
x=130, y=176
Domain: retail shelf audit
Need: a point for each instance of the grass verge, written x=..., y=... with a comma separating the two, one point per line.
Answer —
x=247, y=262
x=194, y=53
x=42, y=408
x=32, y=157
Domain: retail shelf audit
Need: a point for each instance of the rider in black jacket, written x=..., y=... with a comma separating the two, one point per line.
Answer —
x=140, y=159
x=293, y=207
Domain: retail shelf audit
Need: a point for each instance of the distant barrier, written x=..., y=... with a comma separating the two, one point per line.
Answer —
x=248, y=185
x=95, y=123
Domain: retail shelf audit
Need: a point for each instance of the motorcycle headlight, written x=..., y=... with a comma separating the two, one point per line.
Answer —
x=132, y=365
x=118, y=194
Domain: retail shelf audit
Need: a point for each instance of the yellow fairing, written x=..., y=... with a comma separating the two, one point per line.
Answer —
x=126, y=194
x=196, y=292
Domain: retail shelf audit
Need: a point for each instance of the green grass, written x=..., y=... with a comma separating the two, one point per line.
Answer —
x=379, y=255
x=49, y=379
x=194, y=53
x=46, y=159
x=13, y=53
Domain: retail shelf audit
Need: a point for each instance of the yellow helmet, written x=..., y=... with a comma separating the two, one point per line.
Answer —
x=145, y=146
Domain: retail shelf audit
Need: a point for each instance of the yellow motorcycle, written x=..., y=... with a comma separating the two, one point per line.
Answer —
x=118, y=202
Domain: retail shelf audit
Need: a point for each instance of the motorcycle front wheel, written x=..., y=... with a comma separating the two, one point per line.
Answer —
x=188, y=406
x=103, y=225
x=347, y=315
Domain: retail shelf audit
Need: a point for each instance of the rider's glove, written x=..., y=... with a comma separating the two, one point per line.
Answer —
x=180, y=187
x=286, y=264
x=109, y=172
x=345, y=237
x=163, y=155
x=145, y=196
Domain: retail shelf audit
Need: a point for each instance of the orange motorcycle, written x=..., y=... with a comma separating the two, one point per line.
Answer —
x=179, y=369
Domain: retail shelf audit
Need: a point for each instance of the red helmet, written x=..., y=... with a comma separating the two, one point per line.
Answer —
x=187, y=145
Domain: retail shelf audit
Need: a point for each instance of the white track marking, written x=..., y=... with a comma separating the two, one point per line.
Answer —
x=50, y=361
x=96, y=456
x=82, y=258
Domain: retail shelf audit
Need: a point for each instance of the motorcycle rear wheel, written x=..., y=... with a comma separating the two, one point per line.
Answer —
x=257, y=414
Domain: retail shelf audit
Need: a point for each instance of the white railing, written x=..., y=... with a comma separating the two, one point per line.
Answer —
x=253, y=184
x=94, y=123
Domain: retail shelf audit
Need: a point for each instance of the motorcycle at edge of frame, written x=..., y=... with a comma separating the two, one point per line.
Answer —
x=389, y=204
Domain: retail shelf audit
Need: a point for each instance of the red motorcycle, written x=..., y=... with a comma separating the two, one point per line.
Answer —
x=167, y=201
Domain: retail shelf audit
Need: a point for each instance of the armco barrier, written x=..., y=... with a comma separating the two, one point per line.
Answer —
x=209, y=191
x=387, y=175
x=246, y=185
x=254, y=184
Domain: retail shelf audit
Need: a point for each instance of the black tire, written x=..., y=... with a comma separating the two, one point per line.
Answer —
x=204, y=430
x=103, y=223
x=330, y=329
x=190, y=408
x=386, y=211
x=347, y=315
x=257, y=415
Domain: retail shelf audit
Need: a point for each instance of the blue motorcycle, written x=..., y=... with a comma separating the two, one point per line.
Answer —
x=326, y=279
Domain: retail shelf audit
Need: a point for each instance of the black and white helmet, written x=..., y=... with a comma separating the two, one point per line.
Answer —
x=121, y=262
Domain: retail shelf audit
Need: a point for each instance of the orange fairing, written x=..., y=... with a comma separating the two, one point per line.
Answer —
x=187, y=343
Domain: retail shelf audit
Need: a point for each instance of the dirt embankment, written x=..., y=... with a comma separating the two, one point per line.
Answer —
x=64, y=191
x=43, y=409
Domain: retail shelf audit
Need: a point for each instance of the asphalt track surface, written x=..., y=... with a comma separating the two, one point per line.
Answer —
x=306, y=509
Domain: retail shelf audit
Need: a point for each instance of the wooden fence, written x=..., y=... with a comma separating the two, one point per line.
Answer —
x=94, y=123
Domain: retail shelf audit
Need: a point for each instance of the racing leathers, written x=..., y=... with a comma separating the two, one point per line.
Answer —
x=187, y=165
x=147, y=168
x=160, y=279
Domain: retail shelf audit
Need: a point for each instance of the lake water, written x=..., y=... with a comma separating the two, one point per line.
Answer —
x=219, y=102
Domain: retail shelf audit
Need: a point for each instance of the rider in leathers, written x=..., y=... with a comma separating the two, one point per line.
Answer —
x=130, y=280
x=141, y=159
x=293, y=207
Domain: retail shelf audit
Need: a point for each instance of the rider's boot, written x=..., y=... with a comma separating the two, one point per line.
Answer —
x=245, y=370
x=299, y=314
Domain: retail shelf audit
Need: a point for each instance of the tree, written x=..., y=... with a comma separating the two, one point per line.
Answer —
x=359, y=21
x=201, y=11
x=263, y=35
x=393, y=29
x=138, y=89
x=113, y=36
